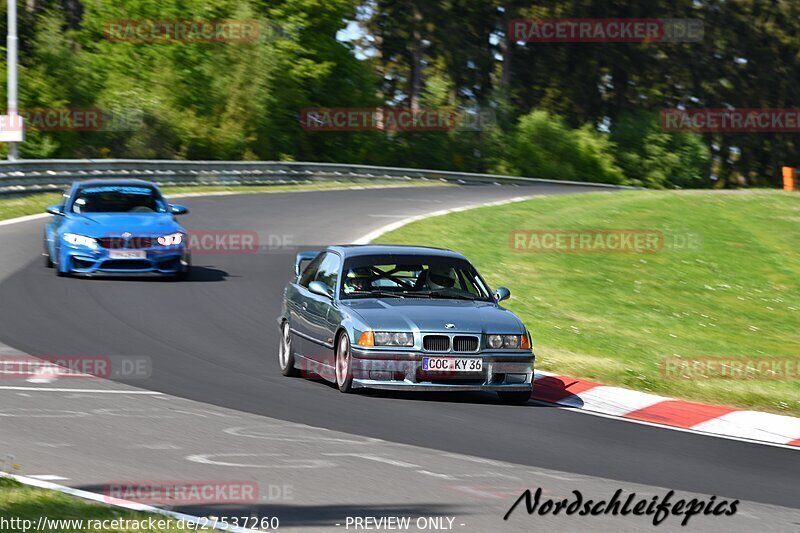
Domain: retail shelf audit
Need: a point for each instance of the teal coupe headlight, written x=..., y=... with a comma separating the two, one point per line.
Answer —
x=511, y=341
x=507, y=342
x=494, y=341
x=80, y=240
x=389, y=338
x=172, y=239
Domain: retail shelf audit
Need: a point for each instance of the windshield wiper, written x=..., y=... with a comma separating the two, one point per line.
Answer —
x=444, y=294
x=377, y=293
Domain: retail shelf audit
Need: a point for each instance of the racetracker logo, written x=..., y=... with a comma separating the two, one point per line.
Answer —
x=172, y=492
x=381, y=370
x=587, y=30
x=394, y=119
x=586, y=241
x=211, y=242
x=71, y=119
x=44, y=369
x=187, y=31
x=751, y=120
x=731, y=368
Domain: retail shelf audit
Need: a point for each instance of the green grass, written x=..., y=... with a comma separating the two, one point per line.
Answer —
x=12, y=207
x=20, y=206
x=612, y=317
x=28, y=503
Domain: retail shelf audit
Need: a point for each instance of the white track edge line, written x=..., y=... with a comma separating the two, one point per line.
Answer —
x=28, y=218
x=371, y=236
x=122, y=504
x=92, y=391
x=366, y=186
x=18, y=220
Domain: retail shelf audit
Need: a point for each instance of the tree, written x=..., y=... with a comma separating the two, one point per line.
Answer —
x=544, y=146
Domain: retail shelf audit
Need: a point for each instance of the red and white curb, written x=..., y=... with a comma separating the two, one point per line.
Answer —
x=715, y=420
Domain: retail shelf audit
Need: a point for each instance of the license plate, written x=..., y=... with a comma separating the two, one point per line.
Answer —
x=452, y=364
x=127, y=254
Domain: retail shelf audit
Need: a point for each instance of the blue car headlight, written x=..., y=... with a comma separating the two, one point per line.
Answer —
x=80, y=240
x=388, y=338
x=173, y=239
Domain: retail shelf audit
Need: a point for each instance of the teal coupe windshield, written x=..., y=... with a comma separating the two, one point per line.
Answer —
x=412, y=276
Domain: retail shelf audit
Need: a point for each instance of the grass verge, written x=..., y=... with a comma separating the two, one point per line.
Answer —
x=22, y=506
x=614, y=317
x=18, y=206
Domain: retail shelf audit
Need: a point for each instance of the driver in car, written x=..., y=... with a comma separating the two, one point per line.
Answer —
x=441, y=278
x=358, y=280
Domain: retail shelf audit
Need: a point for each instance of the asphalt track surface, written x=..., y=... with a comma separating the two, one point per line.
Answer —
x=214, y=338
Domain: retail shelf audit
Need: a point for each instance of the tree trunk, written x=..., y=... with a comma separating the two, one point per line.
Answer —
x=415, y=81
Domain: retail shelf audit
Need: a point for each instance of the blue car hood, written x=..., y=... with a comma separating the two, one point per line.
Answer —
x=105, y=224
x=431, y=315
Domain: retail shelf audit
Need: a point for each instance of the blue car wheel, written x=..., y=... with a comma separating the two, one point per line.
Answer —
x=58, y=266
x=186, y=271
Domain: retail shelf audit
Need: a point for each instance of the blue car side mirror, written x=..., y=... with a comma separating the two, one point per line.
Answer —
x=176, y=209
x=57, y=210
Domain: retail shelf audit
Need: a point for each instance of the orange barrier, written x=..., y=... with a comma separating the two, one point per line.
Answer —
x=789, y=178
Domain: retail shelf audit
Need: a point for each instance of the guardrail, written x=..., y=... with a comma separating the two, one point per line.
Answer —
x=55, y=174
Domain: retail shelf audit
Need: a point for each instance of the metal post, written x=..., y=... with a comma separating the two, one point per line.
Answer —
x=11, y=49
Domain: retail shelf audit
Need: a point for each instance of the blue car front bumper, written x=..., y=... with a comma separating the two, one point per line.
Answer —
x=162, y=260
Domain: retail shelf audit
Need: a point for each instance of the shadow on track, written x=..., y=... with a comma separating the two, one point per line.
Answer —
x=299, y=515
x=475, y=398
x=199, y=274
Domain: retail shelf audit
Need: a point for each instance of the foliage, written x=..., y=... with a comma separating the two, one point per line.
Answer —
x=654, y=158
x=542, y=145
x=224, y=100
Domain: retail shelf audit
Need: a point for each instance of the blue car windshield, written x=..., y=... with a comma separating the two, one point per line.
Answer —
x=118, y=199
x=412, y=276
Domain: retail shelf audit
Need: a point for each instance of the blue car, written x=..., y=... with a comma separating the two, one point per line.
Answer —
x=402, y=318
x=118, y=227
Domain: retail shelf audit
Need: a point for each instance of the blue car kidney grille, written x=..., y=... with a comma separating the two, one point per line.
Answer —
x=133, y=243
